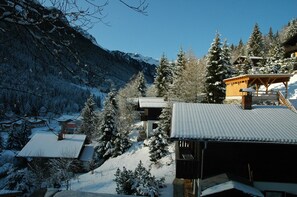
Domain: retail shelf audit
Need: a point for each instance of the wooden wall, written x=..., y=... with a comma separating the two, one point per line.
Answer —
x=259, y=162
x=232, y=88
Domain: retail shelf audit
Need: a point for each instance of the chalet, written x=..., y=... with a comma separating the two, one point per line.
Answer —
x=150, y=109
x=256, y=146
x=6, y=125
x=291, y=47
x=36, y=122
x=69, y=124
x=49, y=146
x=253, y=61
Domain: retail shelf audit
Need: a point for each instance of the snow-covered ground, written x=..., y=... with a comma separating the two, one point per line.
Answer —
x=101, y=179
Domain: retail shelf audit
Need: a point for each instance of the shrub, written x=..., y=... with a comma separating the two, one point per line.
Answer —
x=140, y=182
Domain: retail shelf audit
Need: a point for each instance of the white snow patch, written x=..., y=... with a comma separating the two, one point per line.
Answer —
x=142, y=58
x=100, y=180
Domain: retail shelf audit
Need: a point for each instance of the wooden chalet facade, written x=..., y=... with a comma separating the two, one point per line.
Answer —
x=150, y=109
x=257, y=148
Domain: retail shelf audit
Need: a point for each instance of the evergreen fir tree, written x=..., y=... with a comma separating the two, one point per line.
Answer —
x=246, y=66
x=276, y=59
x=18, y=137
x=88, y=126
x=215, y=74
x=141, y=84
x=165, y=119
x=278, y=50
x=270, y=35
x=241, y=48
x=158, y=145
x=181, y=63
x=108, y=127
x=121, y=143
x=138, y=183
x=226, y=60
x=290, y=30
x=124, y=181
x=255, y=46
x=163, y=77
x=179, y=68
x=145, y=183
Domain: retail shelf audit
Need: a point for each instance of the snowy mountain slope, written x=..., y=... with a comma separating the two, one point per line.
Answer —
x=142, y=58
x=101, y=179
x=42, y=56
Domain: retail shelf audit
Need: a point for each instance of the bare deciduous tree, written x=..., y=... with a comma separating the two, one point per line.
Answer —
x=85, y=13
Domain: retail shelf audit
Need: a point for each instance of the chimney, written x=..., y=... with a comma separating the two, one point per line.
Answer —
x=247, y=100
x=61, y=135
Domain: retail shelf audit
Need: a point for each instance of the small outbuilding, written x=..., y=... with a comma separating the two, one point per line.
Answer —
x=234, y=84
x=150, y=109
x=50, y=146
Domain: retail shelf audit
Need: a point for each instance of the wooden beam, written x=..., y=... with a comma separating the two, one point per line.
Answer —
x=265, y=84
x=251, y=83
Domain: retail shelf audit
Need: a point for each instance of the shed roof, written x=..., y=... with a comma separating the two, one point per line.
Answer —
x=87, y=153
x=47, y=145
x=232, y=185
x=260, y=79
x=222, y=122
x=152, y=102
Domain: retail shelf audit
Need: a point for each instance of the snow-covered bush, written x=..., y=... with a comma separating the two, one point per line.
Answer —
x=139, y=183
x=61, y=171
x=21, y=180
x=18, y=137
x=124, y=181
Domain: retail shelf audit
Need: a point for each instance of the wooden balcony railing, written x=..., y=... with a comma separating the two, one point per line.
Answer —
x=187, y=168
x=187, y=164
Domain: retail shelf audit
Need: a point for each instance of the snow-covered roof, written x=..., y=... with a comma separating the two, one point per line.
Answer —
x=232, y=185
x=66, y=117
x=87, y=153
x=152, y=102
x=222, y=122
x=34, y=120
x=253, y=76
x=47, y=145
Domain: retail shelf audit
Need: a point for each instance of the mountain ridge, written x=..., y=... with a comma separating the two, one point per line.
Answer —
x=41, y=55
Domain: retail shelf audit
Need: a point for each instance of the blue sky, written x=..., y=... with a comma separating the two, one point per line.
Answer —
x=190, y=24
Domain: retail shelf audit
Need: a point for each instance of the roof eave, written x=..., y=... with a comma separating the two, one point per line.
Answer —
x=288, y=142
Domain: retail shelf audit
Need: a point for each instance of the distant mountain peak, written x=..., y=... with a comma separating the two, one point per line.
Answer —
x=148, y=60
